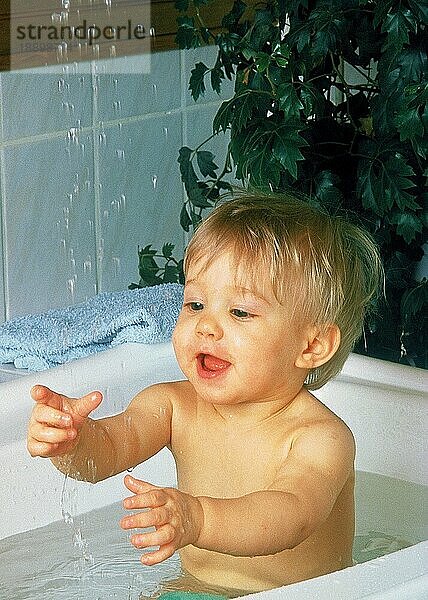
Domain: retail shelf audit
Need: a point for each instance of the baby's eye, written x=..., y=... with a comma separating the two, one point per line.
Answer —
x=195, y=306
x=241, y=314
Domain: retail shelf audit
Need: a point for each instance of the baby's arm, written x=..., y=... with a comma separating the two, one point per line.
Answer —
x=260, y=523
x=297, y=502
x=92, y=450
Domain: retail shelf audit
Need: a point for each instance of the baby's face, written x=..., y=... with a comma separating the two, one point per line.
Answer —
x=235, y=343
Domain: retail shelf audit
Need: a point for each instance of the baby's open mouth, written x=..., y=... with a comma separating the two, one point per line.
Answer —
x=210, y=366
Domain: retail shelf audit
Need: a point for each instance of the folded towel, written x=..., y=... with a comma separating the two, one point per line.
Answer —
x=40, y=341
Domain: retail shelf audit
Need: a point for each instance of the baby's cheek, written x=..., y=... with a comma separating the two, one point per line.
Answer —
x=179, y=342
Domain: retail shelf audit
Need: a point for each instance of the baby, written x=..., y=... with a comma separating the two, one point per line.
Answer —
x=275, y=297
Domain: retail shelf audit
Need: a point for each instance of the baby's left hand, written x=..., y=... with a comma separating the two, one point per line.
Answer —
x=176, y=517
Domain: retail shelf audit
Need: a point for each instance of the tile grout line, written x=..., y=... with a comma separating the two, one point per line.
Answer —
x=107, y=125
x=96, y=175
x=4, y=261
x=184, y=123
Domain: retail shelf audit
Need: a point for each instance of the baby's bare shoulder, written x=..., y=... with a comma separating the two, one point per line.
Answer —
x=176, y=393
x=319, y=424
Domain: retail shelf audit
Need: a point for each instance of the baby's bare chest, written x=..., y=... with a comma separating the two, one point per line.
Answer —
x=227, y=463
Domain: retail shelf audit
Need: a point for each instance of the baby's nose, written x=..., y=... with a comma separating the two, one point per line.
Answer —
x=209, y=327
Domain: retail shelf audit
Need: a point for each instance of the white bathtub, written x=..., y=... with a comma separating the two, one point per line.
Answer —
x=385, y=405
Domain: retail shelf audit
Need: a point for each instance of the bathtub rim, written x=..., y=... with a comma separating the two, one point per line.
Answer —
x=406, y=568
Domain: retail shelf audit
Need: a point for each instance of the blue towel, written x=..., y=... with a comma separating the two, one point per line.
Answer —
x=40, y=341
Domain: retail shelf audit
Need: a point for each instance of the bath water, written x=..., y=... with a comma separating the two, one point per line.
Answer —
x=89, y=557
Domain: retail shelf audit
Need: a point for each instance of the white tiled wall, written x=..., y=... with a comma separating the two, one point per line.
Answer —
x=88, y=171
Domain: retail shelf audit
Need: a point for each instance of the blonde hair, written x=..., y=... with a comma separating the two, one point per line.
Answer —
x=333, y=265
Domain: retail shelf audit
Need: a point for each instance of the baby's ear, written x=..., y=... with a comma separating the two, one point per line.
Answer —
x=320, y=345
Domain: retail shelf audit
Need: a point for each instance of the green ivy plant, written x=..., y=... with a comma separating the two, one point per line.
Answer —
x=330, y=99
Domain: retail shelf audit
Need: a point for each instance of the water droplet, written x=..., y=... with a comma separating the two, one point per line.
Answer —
x=116, y=265
x=72, y=135
x=68, y=519
x=87, y=265
x=71, y=286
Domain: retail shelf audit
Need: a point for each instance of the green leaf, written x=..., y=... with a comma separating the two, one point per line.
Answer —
x=395, y=176
x=167, y=250
x=415, y=299
x=326, y=190
x=238, y=110
x=303, y=40
x=265, y=149
x=206, y=163
x=286, y=147
x=146, y=250
x=419, y=9
x=181, y=5
x=170, y=274
x=198, y=198
x=193, y=186
x=383, y=182
x=196, y=82
x=185, y=220
x=148, y=267
x=289, y=101
x=408, y=225
x=231, y=18
x=409, y=124
x=262, y=60
x=188, y=175
x=367, y=187
x=398, y=25
x=312, y=99
x=381, y=9
x=187, y=34
x=217, y=75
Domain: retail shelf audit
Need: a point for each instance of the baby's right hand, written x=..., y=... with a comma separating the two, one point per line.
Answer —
x=56, y=421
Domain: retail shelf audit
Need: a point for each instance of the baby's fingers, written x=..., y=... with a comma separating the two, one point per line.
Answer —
x=52, y=435
x=158, y=556
x=43, y=395
x=42, y=449
x=51, y=416
x=46, y=441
